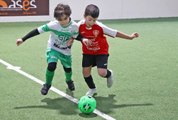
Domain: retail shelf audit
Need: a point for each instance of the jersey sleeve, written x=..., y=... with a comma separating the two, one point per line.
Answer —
x=45, y=27
x=108, y=31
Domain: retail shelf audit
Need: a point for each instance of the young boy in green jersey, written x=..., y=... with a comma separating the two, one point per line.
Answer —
x=62, y=30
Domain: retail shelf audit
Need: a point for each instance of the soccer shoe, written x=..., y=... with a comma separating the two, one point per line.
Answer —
x=110, y=80
x=91, y=92
x=45, y=89
x=71, y=85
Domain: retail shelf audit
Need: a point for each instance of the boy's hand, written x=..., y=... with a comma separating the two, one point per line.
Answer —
x=134, y=35
x=19, y=41
x=87, y=42
x=70, y=42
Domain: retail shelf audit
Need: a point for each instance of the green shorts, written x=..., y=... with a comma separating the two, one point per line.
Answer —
x=54, y=56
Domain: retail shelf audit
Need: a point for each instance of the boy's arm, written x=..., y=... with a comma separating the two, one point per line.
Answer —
x=70, y=42
x=115, y=33
x=31, y=34
x=126, y=36
x=79, y=37
x=27, y=36
x=83, y=40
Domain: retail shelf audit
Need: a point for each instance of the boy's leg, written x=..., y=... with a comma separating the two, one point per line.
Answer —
x=66, y=61
x=88, y=62
x=91, y=85
x=105, y=73
x=88, y=78
x=50, y=72
x=52, y=63
x=109, y=77
x=101, y=62
x=68, y=74
x=49, y=77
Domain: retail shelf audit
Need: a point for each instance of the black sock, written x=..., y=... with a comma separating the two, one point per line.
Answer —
x=89, y=81
x=108, y=74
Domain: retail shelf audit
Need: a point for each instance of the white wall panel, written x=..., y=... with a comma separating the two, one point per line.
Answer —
x=111, y=9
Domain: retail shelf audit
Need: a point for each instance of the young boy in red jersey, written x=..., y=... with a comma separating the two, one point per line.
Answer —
x=95, y=53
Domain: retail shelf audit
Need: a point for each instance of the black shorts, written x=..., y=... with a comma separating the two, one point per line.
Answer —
x=101, y=61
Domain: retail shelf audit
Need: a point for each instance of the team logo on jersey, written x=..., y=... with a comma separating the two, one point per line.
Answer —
x=95, y=33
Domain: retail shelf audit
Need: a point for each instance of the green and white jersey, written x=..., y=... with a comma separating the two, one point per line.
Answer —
x=60, y=35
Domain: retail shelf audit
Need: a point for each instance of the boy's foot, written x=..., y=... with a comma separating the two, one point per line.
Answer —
x=45, y=89
x=91, y=92
x=110, y=80
x=70, y=85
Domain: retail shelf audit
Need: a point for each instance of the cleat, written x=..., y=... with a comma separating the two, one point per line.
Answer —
x=91, y=92
x=110, y=80
x=71, y=85
x=45, y=89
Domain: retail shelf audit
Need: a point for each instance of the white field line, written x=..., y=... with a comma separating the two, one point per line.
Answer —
x=17, y=69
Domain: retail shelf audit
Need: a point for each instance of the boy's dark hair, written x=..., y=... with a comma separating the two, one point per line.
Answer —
x=92, y=10
x=61, y=10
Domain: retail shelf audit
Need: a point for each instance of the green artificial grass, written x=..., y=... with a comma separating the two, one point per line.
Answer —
x=145, y=74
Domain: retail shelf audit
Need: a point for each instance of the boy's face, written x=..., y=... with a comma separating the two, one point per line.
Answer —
x=90, y=21
x=64, y=20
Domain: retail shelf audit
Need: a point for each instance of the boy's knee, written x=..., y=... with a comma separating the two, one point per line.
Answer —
x=52, y=66
x=102, y=73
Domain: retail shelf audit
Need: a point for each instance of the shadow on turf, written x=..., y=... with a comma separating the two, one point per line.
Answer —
x=107, y=104
x=60, y=104
x=66, y=107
